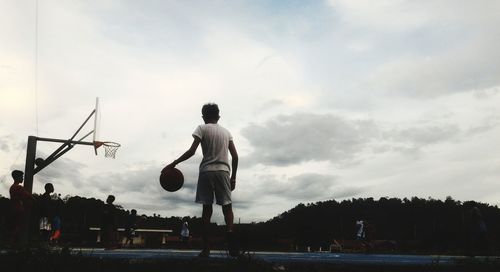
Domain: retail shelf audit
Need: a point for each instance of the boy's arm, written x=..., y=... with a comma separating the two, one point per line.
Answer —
x=188, y=154
x=234, y=164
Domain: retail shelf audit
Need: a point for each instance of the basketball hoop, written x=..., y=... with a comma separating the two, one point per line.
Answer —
x=110, y=148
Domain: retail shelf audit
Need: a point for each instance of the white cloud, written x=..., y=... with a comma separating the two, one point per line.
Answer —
x=303, y=137
x=396, y=15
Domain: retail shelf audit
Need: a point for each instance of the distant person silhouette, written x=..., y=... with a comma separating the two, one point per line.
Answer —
x=214, y=172
x=360, y=230
x=56, y=230
x=46, y=208
x=369, y=229
x=130, y=228
x=108, y=227
x=56, y=219
x=21, y=202
x=478, y=232
x=185, y=232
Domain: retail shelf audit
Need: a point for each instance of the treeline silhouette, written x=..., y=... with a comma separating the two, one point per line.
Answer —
x=413, y=224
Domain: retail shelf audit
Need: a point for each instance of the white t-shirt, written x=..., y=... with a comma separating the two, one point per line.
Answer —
x=185, y=231
x=361, y=229
x=214, y=144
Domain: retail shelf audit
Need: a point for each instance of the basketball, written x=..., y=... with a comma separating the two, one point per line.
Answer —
x=171, y=179
x=39, y=162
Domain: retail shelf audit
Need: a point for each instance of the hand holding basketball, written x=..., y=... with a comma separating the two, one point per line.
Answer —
x=169, y=166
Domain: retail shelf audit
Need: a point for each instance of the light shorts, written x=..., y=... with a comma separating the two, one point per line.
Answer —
x=44, y=223
x=212, y=183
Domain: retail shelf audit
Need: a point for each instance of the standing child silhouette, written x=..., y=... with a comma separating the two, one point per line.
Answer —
x=108, y=224
x=130, y=228
x=214, y=177
x=46, y=207
x=21, y=201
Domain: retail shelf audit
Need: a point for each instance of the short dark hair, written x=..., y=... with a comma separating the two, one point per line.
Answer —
x=48, y=186
x=110, y=198
x=210, y=110
x=17, y=175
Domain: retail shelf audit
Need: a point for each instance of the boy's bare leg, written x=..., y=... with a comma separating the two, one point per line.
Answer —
x=206, y=215
x=232, y=242
x=227, y=210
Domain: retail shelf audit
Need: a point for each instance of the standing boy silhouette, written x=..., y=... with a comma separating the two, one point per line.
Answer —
x=108, y=224
x=46, y=208
x=214, y=177
x=130, y=228
x=21, y=201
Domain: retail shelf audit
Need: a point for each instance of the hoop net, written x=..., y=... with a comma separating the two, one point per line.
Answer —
x=110, y=148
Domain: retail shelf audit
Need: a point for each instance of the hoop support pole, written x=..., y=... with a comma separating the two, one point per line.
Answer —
x=29, y=167
x=64, y=141
x=48, y=161
x=68, y=142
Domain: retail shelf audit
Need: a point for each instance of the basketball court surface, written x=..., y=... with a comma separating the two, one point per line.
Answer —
x=285, y=257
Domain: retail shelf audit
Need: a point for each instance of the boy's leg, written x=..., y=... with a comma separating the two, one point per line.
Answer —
x=232, y=241
x=206, y=215
x=227, y=210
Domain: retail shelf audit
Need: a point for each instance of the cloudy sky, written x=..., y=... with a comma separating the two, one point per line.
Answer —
x=325, y=99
